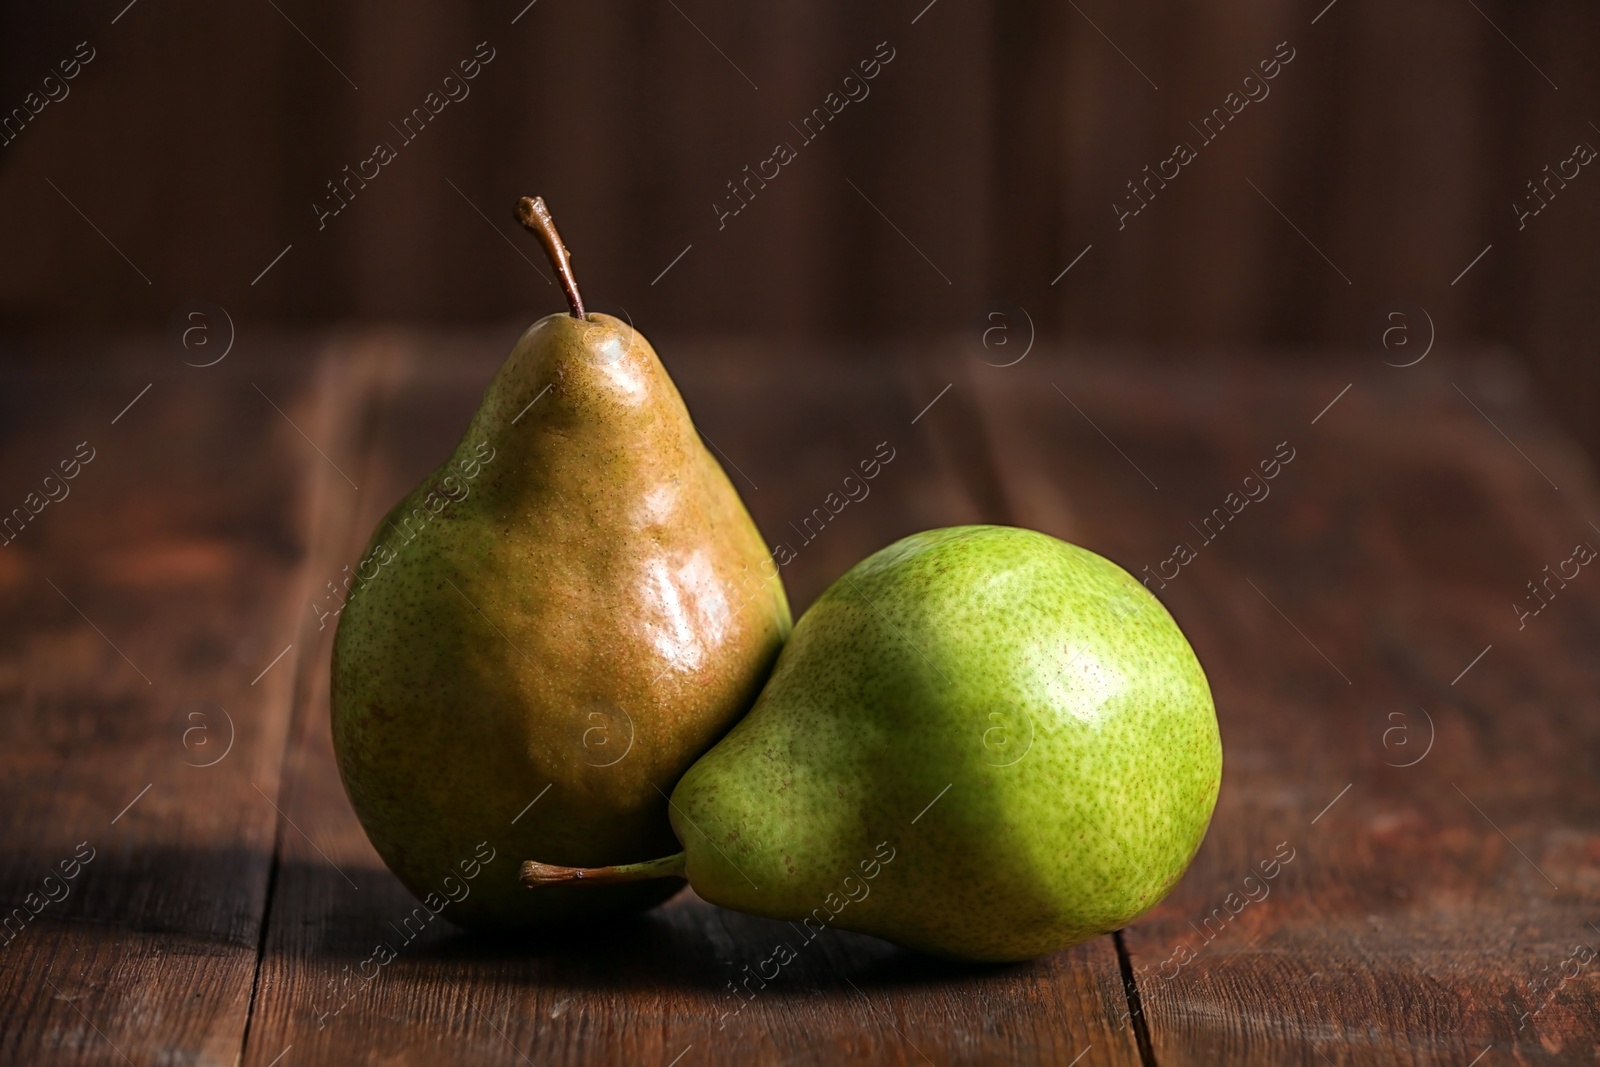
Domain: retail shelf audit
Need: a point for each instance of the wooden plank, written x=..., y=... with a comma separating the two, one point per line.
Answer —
x=646, y=989
x=1401, y=163
x=146, y=685
x=1428, y=910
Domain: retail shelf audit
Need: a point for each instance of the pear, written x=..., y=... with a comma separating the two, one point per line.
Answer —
x=550, y=629
x=981, y=742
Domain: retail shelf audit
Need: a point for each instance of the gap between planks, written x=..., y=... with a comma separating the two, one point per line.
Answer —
x=349, y=383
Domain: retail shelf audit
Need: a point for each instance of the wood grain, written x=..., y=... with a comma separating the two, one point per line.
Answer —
x=146, y=685
x=1425, y=916
x=997, y=141
x=1426, y=907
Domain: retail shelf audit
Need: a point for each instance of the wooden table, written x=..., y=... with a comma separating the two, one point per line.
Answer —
x=1430, y=766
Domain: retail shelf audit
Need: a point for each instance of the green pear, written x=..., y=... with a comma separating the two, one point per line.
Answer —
x=567, y=613
x=981, y=742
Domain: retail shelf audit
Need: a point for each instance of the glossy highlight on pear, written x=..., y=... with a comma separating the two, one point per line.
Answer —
x=566, y=613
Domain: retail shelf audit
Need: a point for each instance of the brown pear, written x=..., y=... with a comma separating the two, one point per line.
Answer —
x=550, y=629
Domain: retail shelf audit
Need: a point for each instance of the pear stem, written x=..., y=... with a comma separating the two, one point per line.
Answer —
x=535, y=218
x=535, y=874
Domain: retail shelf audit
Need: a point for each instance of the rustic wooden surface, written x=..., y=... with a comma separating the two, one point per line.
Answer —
x=1441, y=912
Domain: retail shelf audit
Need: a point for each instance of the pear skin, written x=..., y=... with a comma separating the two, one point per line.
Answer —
x=570, y=610
x=981, y=742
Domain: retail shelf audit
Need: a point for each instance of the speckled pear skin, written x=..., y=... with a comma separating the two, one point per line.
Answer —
x=600, y=589
x=1049, y=690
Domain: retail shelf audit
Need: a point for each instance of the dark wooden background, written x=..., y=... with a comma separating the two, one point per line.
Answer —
x=996, y=142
